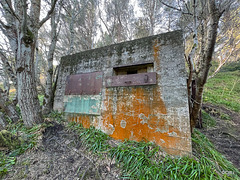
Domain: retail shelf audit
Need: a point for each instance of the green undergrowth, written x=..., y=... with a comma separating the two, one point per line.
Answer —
x=145, y=160
x=94, y=139
x=216, y=161
x=208, y=121
x=29, y=135
x=40, y=98
x=224, y=88
x=57, y=116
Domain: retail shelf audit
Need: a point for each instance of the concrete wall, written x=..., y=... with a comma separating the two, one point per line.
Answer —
x=157, y=112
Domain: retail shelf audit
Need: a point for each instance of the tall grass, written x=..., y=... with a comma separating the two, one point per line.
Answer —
x=145, y=160
x=206, y=150
x=6, y=163
x=94, y=139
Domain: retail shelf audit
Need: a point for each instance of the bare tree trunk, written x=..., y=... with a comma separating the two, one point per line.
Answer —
x=56, y=73
x=37, y=70
x=49, y=96
x=205, y=60
x=190, y=60
x=3, y=121
x=6, y=83
x=8, y=108
x=10, y=73
x=71, y=29
x=9, y=70
x=27, y=91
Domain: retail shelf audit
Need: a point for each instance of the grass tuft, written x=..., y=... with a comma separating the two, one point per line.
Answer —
x=6, y=163
x=57, y=116
x=94, y=139
x=208, y=121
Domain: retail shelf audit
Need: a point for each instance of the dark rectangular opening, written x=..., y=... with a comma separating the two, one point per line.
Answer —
x=132, y=72
x=133, y=69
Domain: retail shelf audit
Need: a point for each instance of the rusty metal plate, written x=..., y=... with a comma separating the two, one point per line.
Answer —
x=84, y=84
x=132, y=80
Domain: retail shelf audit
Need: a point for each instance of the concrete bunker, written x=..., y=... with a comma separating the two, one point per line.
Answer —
x=132, y=90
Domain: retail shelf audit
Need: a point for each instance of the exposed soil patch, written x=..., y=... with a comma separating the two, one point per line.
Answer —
x=226, y=134
x=61, y=155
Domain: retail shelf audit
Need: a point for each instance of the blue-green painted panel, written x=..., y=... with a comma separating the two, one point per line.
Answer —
x=83, y=104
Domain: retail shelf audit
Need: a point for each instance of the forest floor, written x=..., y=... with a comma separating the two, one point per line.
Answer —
x=60, y=155
x=225, y=133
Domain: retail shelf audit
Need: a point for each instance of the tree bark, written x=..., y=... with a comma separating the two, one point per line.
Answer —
x=3, y=121
x=37, y=71
x=9, y=70
x=205, y=60
x=49, y=95
x=27, y=91
x=8, y=108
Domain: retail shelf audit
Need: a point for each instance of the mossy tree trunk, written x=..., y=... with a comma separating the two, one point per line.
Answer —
x=22, y=25
x=27, y=90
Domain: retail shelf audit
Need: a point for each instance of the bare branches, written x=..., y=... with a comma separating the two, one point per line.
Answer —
x=24, y=24
x=4, y=25
x=233, y=49
x=224, y=6
x=11, y=10
x=48, y=14
x=177, y=9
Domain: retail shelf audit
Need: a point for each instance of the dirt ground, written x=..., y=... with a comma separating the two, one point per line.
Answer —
x=226, y=134
x=60, y=155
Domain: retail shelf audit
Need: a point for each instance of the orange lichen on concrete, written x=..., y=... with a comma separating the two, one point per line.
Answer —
x=85, y=120
x=156, y=50
x=133, y=116
x=156, y=47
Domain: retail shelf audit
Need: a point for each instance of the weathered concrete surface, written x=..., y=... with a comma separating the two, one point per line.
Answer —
x=157, y=112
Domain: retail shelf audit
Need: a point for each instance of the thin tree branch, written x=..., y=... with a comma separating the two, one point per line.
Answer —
x=11, y=9
x=225, y=61
x=48, y=14
x=177, y=9
x=24, y=24
x=221, y=13
x=4, y=25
